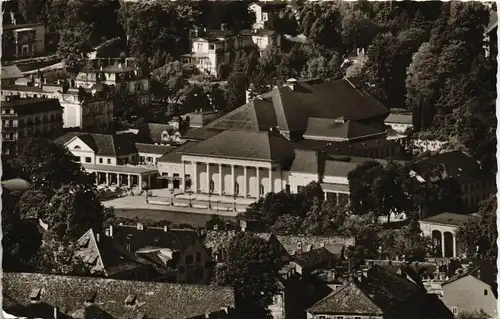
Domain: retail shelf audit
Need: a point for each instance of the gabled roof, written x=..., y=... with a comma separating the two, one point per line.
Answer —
x=333, y=130
x=305, y=161
x=152, y=299
x=175, y=156
x=175, y=239
x=11, y=72
x=154, y=149
x=104, y=258
x=104, y=144
x=450, y=219
x=293, y=107
x=314, y=257
x=262, y=146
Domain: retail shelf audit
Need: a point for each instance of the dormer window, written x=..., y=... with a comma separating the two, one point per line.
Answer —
x=35, y=294
x=130, y=300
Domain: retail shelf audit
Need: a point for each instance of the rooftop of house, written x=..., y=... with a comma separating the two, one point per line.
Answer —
x=313, y=257
x=378, y=293
x=152, y=132
x=456, y=164
x=116, y=298
x=152, y=237
x=31, y=105
x=449, y=219
x=289, y=107
x=400, y=118
x=202, y=118
x=346, y=147
x=338, y=130
x=292, y=242
x=11, y=72
x=216, y=240
x=263, y=146
x=153, y=149
x=103, y=144
x=175, y=156
x=16, y=185
x=271, y=5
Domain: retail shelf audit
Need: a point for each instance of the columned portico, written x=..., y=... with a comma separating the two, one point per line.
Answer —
x=231, y=177
x=130, y=176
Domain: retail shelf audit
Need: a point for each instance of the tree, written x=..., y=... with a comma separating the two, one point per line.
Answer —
x=46, y=164
x=358, y=30
x=326, y=30
x=72, y=211
x=20, y=240
x=58, y=258
x=411, y=244
x=287, y=224
x=422, y=85
x=237, y=84
x=252, y=268
x=74, y=46
x=477, y=237
x=32, y=201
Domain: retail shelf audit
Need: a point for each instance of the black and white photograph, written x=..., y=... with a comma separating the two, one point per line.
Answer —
x=249, y=159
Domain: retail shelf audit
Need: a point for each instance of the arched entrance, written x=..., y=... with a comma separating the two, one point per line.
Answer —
x=448, y=244
x=437, y=242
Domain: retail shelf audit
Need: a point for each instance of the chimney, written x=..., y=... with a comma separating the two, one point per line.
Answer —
x=106, y=232
x=243, y=225
x=100, y=68
x=165, y=228
x=45, y=81
x=216, y=227
x=359, y=276
x=55, y=312
x=98, y=237
x=140, y=226
x=120, y=65
x=111, y=231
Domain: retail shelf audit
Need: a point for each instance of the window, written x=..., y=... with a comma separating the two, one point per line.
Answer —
x=198, y=258
x=261, y=189
x=322, y=317
x=454, y=310
x=264, y=16
x=339, y=317
x=236, y=188
x=357, y=317
x=76, y=147
x=141, y=159
x=109, y=160
x=77, y=159
x=100, y=160
x=299, y=188
x=200, y=47
x=211, y=47
x=212, y=186
x=150, y=159
x=486, y=292
x=88, y=160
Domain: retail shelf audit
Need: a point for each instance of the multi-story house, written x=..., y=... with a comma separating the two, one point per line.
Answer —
x=22, y=40
x=471, y=292
x=116, y=159
x=379, y=294
x=90, y=110
x=26, y=118
x=475, y=184
x=118, y=77
x=266, y=39
x=267, y=13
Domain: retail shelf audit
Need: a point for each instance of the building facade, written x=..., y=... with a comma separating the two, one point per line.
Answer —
x=120, y=77
x=267, y=13
x=23, y=40
x=26, y=118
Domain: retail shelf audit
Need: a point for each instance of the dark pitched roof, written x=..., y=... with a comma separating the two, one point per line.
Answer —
x=313, y=257
x=456, y=164
x=154, y=149
x=152, y=299
x=449, y=219
x=11, y=72
x=104, y=258
x=305, y=161
x=246, y=145
x=335, y=130
x=293, y=107
x=35, y=105
x=400, y=118
x=175, y=239
x=104, y=144
x=380, y=292
x=176, y=155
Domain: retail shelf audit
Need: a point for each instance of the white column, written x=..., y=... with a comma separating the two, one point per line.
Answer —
x=220, y=180
x=454, y=246
x=233, y=189
x=208, y=177
x=129, y=181
x=442, y=243
x=107, y=178
x=183, y=177
x=270, y=179
x=97, y=178
x=257, y=176
x=140, y=182
x=149, y=181
x=195, y=177
x=245, y=191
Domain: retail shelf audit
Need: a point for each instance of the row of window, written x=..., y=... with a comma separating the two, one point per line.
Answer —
x=340, y=317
